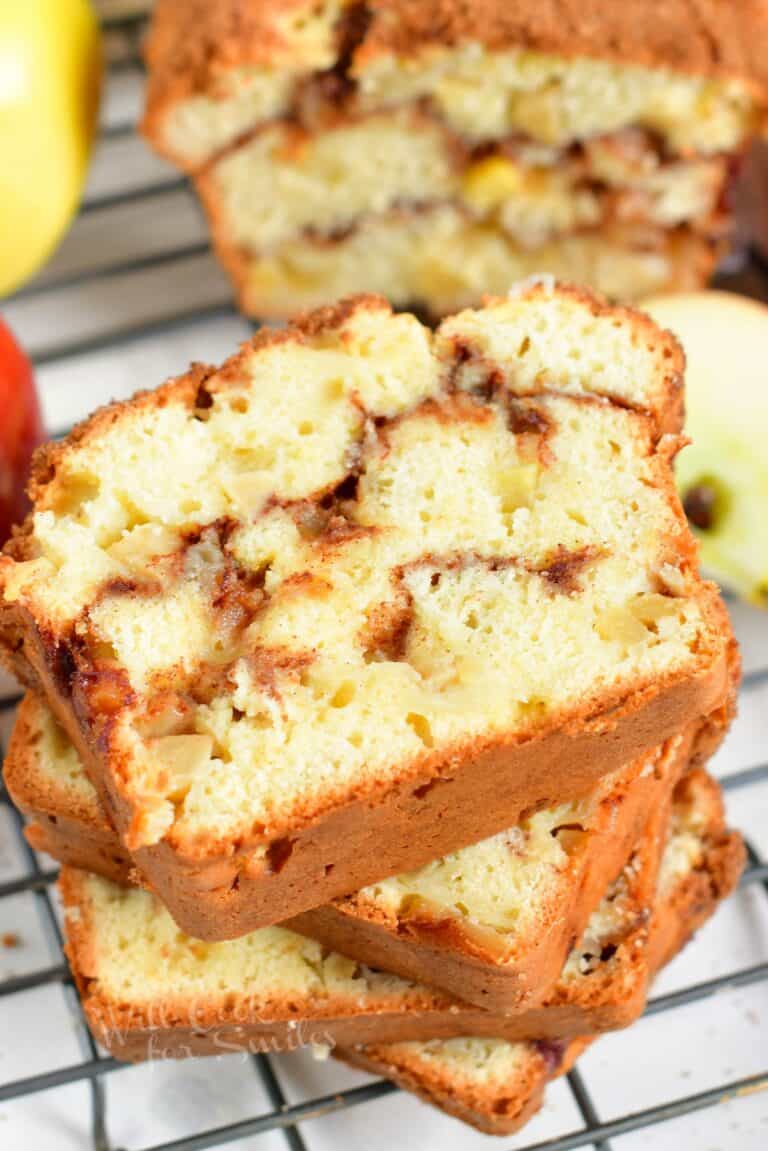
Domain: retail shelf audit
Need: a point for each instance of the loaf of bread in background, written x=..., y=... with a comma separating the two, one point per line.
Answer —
x=437, y=151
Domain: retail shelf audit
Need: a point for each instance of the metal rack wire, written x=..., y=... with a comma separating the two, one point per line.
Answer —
x=123, y=34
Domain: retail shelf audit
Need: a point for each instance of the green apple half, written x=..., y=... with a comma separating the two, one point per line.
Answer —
x=723, y=474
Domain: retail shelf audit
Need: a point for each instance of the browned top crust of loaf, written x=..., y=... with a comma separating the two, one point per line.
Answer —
x=667, y=413
x=721, y=37
x=192, y=41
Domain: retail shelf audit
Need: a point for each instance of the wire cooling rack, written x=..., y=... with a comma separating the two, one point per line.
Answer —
x=135, y=277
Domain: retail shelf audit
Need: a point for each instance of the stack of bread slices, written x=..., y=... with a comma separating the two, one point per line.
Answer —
x=371, y=680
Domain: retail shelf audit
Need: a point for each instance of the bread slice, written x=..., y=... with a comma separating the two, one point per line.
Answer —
x=396, y=588
x=492, y=923
x=148, y=990
x=497, y=1086
x=490, y=1084
x=218, y=71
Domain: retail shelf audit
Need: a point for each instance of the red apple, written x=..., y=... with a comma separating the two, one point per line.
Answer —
x=21, y=430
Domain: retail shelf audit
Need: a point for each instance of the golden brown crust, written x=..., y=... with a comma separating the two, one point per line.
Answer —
x=194, y=43
x=492, y=1114
x=489, y=1112
x=475, y=966
x=666, y=411
x=179, y=1027
x=709, y=37
x=222, y=897
x=692, y=900
x=65, y=842
x=367, y=837
x=71, y=827
x=686, y=908
x=608, y=995
x=35, y=793
x=193, y=40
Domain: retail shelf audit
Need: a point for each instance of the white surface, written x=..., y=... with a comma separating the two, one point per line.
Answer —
x=661, y=1058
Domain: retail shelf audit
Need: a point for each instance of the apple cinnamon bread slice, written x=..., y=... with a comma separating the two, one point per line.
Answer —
x=366, y=593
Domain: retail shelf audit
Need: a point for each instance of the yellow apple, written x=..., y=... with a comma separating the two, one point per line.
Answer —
x=723, y=475
x=50, y=71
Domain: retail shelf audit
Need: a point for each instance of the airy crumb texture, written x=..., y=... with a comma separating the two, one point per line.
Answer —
x=439, y=260
x=285, y=185
x=489, y=94
x=697, y=77
x=380, y=554
x=147, y=987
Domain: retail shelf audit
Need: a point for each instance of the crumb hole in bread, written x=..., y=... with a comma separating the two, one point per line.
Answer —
x=420, y=726
x=278, y=854
x=239, y=404
x=306, y=428
x=525, y=345
x=608, y=952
